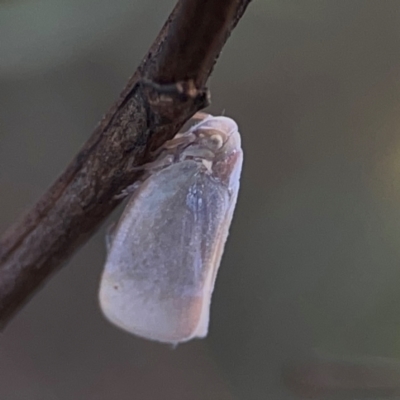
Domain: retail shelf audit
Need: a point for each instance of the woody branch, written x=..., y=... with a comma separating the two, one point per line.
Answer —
x=167, y=88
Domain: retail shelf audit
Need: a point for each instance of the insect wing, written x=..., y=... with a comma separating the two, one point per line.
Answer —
x=161, y=269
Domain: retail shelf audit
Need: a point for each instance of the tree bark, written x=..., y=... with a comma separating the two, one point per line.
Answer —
x=165, y=91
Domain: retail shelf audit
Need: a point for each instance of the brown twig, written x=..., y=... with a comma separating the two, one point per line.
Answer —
x=165, y=91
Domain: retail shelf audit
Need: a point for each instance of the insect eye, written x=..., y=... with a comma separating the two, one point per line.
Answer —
x=216, y=141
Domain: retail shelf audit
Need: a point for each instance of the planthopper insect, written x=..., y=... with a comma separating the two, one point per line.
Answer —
x=166, y=248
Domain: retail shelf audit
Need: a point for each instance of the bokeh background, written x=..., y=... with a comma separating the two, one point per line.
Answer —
x=312, y=265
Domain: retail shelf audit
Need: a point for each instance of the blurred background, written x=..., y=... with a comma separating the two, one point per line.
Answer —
x=307, y=301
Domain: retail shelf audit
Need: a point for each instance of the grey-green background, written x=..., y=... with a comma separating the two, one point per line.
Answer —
x=312, y=264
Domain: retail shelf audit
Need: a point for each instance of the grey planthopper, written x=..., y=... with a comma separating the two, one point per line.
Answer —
x=166, y=249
